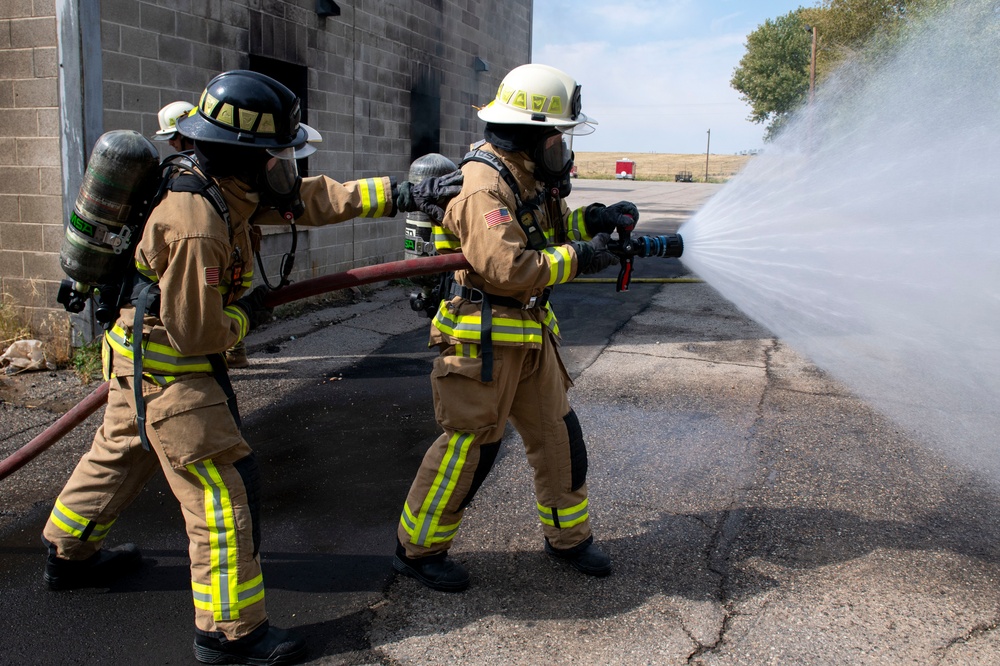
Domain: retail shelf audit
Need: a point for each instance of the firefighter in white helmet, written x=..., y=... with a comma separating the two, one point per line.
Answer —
x=497, y=333
x=167, y=118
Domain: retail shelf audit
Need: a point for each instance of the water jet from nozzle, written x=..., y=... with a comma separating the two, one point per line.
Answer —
x=866, y=235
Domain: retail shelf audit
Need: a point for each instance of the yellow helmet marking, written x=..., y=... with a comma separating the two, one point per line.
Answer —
x=538, y=103
x=556, y=105
x=208, y=103
x=504, y=94
x=226, y=114
x=247, y=119
x=520, y=100
x=266, y=124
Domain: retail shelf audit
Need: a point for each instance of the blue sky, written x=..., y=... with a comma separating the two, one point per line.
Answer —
x=655, y=73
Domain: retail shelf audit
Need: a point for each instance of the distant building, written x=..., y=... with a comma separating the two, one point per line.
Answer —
x=383, y=81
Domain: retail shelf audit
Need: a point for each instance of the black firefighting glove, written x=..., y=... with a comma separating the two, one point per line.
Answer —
x=252, y=303
x=594, y=256
x=601, y=219
x=430, y=196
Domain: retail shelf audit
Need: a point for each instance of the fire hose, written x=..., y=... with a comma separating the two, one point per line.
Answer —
x=355, y=277
x=625, y=247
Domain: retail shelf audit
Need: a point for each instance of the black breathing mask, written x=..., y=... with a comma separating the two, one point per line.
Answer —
x=553, y=157
x=280, y=182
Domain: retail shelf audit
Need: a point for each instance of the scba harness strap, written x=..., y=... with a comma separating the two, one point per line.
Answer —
x=526, y=214
x=181, y=175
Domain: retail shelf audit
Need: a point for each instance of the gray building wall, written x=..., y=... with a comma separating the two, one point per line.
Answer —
x=360, y=72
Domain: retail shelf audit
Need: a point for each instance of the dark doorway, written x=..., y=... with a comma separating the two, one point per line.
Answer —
x=425, y=107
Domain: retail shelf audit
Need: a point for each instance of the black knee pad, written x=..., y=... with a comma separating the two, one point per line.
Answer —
x=249, y=471
x=577, y=451
x=487, y=457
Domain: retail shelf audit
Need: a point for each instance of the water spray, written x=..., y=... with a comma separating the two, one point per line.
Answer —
x=866, y=235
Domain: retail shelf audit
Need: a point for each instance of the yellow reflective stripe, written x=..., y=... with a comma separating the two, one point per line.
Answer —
x=237, y=313
x=444, y=239
x=426, y=529
x=560, y=260
x=221, y=525
x=577, y=229
x=248, y=593
x=74, y=524
x=467, y=350
x=106, y=359
x=562, y=518
x=550, y=320
x=467, y=327
x=442, y=533
x=373, y=197
x=146, y=271
x=408, y=520
x=162, y=359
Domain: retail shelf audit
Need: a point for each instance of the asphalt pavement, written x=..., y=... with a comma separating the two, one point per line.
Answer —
x=756, y=511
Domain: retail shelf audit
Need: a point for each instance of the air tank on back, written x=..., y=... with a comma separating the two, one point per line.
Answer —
x=417, y=240
x=122, y=171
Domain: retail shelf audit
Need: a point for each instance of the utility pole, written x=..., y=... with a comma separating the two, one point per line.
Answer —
x=709, y=145
x=812, y=67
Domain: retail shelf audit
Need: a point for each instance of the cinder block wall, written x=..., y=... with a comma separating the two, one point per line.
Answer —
x=30, y=183
x=361, y=69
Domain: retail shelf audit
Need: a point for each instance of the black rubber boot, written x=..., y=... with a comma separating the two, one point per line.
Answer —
x=264, y=645
x=584, y=556
x=438, y=572
x=99, y=570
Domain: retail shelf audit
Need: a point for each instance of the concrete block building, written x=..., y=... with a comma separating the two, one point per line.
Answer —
x=384, y=81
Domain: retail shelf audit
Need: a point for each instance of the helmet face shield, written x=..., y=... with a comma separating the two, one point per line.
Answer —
x=282, y=172
x=556, y=153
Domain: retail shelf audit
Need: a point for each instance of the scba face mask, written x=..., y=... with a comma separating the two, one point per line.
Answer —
x=554, y=161
x=281, y=182
x=554, y=156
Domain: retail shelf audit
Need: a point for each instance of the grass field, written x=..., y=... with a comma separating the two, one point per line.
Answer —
x=662, y=166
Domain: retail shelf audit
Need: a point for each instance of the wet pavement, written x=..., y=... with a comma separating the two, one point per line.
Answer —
x=756, y=511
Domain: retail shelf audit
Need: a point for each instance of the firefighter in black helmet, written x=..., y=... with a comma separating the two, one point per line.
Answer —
x=195, y=267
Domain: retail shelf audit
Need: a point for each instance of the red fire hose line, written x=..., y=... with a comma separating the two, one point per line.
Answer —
x=356, y=276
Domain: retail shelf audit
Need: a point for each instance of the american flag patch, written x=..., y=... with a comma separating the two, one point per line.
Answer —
x=212, y=276
x=498, y=216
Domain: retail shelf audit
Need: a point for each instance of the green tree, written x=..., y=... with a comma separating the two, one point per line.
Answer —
x=846, y=27
x=773, y=75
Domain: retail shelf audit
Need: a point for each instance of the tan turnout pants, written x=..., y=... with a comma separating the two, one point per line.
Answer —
x=529, y=388
x=212, y=473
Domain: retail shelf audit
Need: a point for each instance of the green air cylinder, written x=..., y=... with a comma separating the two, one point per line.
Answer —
x=122, y=171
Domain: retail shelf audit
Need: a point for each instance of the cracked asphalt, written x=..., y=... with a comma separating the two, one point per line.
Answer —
x=756, y=511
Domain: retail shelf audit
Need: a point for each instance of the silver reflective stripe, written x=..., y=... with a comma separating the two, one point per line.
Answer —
x=252, y=591
x=157, y=357
x=372, y=204
x=69, y=521
x=220, y=536
x=444, y=483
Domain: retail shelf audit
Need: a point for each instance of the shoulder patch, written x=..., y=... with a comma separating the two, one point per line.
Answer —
x=212, y=274
x=498, y=216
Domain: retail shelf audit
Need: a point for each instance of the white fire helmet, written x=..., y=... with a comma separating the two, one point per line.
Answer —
x=539, y=95
x=168, y=116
